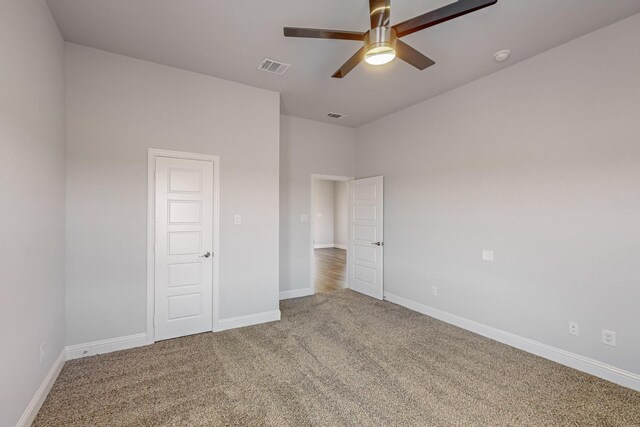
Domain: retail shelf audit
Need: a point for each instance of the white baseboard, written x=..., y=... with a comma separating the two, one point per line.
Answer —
x=249, y=320
x=572, y=360
x=106, y=346
x=330, y=245
x=34, y=406
x=138, y=340
x=323, y=246
x=296, y=293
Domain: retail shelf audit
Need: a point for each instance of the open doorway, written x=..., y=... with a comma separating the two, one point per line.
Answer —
x=330, y=228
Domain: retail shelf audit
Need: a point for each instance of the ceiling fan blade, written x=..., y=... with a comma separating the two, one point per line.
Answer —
x=438, y=16
x=315, y=33
x=380, y=12
x=412, y=56
x=350, y=64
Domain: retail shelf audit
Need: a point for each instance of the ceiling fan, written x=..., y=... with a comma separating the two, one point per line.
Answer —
x=382, y=42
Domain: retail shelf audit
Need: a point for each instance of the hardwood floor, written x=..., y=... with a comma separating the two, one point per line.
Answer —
x=330, y=269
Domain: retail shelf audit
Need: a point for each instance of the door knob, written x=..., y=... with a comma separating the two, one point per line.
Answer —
x=377, y=243
x=205, y=255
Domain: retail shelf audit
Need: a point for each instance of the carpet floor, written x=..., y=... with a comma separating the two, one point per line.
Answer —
x=338, y=359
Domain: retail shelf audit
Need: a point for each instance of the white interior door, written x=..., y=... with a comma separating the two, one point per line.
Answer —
x=366, y=244
x=183, y=247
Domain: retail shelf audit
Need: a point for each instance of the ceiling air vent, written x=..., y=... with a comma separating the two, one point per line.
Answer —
x=273, y=66
x=335, y=115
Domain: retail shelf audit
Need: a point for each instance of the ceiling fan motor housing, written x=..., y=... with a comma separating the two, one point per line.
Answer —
x=380, y=37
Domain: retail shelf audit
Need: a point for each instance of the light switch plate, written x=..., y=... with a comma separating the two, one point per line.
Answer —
x=487, y=255
x=237, y=219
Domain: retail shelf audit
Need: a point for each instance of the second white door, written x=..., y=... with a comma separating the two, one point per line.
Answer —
x=183, y=247
x=366, y=244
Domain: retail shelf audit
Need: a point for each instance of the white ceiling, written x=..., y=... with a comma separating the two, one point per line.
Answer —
x=229, y=38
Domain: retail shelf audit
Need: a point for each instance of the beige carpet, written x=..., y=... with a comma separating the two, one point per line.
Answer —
x=337, y=359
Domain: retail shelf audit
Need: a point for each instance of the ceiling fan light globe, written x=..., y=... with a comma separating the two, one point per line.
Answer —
x=380, y=55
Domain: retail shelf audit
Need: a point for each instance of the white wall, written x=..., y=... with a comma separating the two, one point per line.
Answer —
x=306, y=147
x=541, y=163
x=340, y=213
x=117, y=108
x=331, y=213
x=32, y=190
x=323, y=213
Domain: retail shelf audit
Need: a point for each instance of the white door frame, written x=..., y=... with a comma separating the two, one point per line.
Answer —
x=312, y=215
x=154, y=153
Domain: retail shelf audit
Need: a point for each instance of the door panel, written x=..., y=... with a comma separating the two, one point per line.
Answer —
x=183, y=235
x=366, y=243
x=186, y=274
x=185, y=212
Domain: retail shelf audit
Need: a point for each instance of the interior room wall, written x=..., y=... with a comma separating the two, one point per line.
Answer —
x=539, y=163
x=306, y=147
x=117, y=108
x=340, y=214
x=32, y=188
x=323, y=200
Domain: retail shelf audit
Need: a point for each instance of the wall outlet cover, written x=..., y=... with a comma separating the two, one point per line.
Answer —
x=574, y=328
x=609, y=337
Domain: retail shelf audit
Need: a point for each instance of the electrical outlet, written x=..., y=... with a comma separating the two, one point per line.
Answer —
x=574, y=328
x=609, y=337
x=42, y=352
x=487, y=255
x=434, y=291
x=237, y=219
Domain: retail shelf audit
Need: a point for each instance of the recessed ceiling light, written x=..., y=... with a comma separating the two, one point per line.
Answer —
x=501, y=56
